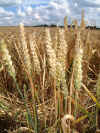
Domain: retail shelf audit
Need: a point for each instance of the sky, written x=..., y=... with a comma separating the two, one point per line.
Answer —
x=38, y=12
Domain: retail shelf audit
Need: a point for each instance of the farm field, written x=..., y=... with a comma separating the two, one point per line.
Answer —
x=49, y=79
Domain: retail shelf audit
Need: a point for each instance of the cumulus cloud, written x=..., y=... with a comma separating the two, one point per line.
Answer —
x=21, y=13
x=34, y=12
x=4, y=13
x=29, y=10
x=6, y=3
x=52, y=13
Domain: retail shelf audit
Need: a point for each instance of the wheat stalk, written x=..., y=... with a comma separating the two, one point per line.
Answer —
x=51, y=60
x=76, y=24
x=82, y=26
x=57, y=64
x=51, y=56
x=98, y=87
x=6, y=58
x=98, y=98
x=77, y=64
x=77, y=68
x=61, y=58
x=24, y=49
x=33, y=50
x=64, y=123
x=62, y=48
x=65, y=23
x=55, y=41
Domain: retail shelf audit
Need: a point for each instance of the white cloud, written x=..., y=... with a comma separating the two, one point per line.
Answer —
x=10, y=2
x=61, y=4
x=4, y=13
x=97, y=1
x=76, y=4
x=21, y=13
x=53, y=12
x=37, y=16
x=98, y=9
x=94, y=1
x=7, y=3
x=6, y=17
x=35, y=2
x=29, y=10
x=47, y=11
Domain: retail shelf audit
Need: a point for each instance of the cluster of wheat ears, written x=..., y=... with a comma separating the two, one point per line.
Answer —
x=51, y=69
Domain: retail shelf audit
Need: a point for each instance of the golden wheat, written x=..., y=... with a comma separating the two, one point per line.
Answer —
x=24, y=49
x=6, y=58
x=65, y=23
x=33, y=50
x=77, y=64
x=51, y=56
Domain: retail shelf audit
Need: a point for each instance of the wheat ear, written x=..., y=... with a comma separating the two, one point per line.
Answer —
x=6, y=58
x=61, y=58
x=77, y=64
x=82, y=21
x=33, y=50
x=77, y=68
x=65, y=24
x=24, y=49
x=51, y=56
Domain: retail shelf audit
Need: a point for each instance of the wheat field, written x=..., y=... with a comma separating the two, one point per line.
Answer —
x=49, y=79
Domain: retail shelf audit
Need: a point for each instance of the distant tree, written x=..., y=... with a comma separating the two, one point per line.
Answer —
x=53, y=25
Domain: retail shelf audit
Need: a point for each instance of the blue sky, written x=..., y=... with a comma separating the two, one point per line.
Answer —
x=34, y=12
